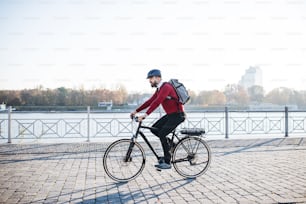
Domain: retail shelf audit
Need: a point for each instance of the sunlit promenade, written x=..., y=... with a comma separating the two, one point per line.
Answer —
x=242, y=171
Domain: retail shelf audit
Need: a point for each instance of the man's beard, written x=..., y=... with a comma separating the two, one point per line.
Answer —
x=154, y=84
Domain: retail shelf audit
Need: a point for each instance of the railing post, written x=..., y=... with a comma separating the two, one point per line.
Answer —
x=9, y=123
x=286, y=122
x=226, y=122
x=88, y=123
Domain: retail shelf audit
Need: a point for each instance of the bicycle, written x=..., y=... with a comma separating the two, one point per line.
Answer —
x=125, y=159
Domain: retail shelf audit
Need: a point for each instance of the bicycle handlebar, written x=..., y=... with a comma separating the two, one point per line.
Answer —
x=135, y=118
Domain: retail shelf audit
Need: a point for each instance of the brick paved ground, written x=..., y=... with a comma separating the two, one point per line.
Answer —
x=242, y=171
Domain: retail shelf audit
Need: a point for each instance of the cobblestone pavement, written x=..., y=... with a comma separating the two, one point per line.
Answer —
x=242, y=171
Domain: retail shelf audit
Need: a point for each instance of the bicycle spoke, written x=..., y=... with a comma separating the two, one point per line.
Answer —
x=197, y=144
x=124, y=160
x=191, y=147
x=191, y=157
x=185, y=148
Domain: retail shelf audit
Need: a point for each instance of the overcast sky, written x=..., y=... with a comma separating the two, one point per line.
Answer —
x=103, y=43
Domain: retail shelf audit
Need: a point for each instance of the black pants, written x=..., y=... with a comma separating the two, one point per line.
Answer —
x=166, y=125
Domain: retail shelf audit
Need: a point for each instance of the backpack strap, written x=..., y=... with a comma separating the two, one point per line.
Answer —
x=172, y=98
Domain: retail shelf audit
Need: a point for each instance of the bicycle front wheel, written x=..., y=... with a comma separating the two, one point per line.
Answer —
x=191, y=157
x=124, y=160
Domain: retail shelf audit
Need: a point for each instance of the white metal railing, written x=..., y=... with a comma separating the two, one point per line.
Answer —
x=92, y=125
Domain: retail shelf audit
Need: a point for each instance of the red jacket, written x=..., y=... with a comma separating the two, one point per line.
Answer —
x=160, y=97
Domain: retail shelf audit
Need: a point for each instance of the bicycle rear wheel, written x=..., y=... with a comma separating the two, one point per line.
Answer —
x=191, y=157
x=124, y=160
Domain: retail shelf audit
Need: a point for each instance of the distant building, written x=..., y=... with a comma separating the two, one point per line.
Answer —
x=252, y=77
x=107, y=104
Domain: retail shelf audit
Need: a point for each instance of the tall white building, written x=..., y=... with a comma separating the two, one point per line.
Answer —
x=252, y=77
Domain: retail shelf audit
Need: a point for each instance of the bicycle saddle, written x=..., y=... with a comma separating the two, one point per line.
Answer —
x=192, y=131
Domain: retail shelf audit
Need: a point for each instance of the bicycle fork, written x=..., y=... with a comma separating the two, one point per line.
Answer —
x=128, y=157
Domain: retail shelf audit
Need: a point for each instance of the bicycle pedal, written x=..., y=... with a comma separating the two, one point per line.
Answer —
x=127, y=160
x=157, y=169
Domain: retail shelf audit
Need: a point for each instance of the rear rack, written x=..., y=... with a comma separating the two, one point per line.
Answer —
x=192, y=131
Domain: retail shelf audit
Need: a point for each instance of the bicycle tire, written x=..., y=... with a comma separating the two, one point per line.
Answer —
x=191, y=157
x=120, y=168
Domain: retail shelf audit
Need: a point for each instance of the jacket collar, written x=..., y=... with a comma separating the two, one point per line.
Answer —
x=160, y=84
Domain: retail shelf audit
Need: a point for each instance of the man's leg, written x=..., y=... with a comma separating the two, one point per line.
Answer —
x=170, y=123
x=159, y=124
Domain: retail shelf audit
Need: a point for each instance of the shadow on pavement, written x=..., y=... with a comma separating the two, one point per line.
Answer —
x=250, y=147
x=136, y=196
x=48, y=152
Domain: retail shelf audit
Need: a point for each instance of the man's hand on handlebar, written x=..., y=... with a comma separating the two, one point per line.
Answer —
x=142, y=117
x=138, y=118
x=132, y=115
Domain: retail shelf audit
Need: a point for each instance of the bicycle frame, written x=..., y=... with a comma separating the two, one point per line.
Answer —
x=138, y=131
x=185, y=151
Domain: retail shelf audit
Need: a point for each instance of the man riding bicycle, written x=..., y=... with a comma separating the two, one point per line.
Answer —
x=165, y=95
